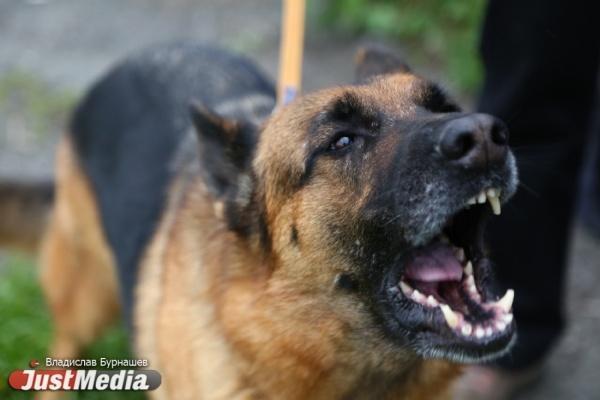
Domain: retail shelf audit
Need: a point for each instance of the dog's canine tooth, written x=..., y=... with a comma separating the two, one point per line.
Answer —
x=449, y=315
x=500, y=326
x=471, y=284
x=491, y=192
x=407, y=290
x=469, y=268
x=495, y=203
x=505, y=303
x=481, y=198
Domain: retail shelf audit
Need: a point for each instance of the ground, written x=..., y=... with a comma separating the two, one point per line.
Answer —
x=51, y=50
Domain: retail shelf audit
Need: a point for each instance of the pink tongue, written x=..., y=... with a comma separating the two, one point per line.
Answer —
x=434, y=263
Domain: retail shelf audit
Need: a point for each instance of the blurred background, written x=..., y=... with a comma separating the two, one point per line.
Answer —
x=52, y=50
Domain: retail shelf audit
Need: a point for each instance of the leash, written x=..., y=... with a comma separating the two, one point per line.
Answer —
x=290, y=52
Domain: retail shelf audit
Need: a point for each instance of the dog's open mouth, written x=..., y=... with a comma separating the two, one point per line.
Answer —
x=442, y=293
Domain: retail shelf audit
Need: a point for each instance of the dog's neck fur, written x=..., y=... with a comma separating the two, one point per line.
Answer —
x=245, y=320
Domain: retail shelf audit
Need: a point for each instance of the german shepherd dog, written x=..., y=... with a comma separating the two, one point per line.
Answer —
x=331, y=248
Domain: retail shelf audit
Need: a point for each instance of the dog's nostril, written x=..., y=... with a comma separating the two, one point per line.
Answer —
x=456, y=144
x=499, y=134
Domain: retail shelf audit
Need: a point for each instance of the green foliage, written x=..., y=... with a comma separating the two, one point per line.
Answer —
x=34, y=101
x=443, y=32
x=25, y=330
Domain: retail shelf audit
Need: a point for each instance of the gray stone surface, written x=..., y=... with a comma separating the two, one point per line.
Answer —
x=64, y=45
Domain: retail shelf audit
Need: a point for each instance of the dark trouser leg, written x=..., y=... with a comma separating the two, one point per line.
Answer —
x=590, y=204
x=541, y=62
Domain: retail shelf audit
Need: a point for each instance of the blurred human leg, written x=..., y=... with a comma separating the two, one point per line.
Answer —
x=541, y=63
x=590, y=201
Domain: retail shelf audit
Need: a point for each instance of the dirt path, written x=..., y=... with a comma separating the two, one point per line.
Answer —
x=50, y=50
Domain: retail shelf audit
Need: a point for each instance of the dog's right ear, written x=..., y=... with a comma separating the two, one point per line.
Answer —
x=376, y=60
x=226, y=147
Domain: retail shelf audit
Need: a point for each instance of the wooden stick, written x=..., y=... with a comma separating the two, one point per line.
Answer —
x=290, y=56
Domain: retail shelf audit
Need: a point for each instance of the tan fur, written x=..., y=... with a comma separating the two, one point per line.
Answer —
x=77, y=275
x=231, y=330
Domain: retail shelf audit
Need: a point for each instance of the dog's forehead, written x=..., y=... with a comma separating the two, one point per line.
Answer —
x=389, y=90
x=285, y=139
x=397, y=95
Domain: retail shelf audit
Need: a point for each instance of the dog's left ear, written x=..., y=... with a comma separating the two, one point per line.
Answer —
x=377, y=60
x=225, y=148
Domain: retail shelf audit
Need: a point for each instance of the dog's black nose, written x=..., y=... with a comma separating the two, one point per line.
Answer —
x=474, y=141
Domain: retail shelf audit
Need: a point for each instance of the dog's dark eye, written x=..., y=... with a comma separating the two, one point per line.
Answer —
x=341, y=142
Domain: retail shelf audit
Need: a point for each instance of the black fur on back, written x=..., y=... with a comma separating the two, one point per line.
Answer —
x=128, y=129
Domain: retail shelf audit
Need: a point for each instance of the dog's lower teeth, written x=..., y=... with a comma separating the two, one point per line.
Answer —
x=417, y=296
x=449, y=315
x=456, y=320
x=431, y=301
x=470, y=281
x=406, y=290
x=469, y=268
x=505, y=303
x=466, y=329
x=479, y=332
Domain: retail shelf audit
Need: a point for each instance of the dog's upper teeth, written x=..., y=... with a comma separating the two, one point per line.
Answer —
x=490, y=195
x=495, y=203
x=505, y=303
x=493, y=198
x=481, y=198
x=449, y=315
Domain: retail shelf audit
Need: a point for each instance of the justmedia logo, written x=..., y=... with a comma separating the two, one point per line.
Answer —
x=83, y=379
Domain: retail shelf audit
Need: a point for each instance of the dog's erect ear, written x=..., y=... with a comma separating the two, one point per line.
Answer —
x=226, y=147
x=377, y=60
